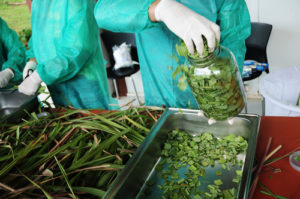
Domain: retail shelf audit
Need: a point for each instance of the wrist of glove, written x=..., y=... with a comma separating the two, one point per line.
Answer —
x=188, y=25
x=30, y=65
x=5, y=76
x=31, y=84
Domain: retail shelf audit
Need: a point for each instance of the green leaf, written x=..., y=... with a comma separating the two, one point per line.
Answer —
x=93, y=191
x=17, y=135
x=176, y=72
x=65, y=177
x=182, y=49
x=182, y=85
x=297, y=158
x=239, y=172
x=38, y=186
x=218, y=182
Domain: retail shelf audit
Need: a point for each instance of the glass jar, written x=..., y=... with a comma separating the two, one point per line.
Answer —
x=216, y=84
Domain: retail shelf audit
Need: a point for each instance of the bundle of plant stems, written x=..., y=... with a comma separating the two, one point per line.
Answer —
x=69, y=154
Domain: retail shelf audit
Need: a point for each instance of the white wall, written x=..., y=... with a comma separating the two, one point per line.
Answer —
x=284, y=45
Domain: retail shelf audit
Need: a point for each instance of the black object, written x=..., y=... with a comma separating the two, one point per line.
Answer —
x=111, y=39
x=29, y=72
x=256, y=45
x=13, y=105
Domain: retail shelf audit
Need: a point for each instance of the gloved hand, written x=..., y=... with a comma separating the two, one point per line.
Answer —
x=5, y=76
x=31, y=84
x=188, y=25
x=30, y=65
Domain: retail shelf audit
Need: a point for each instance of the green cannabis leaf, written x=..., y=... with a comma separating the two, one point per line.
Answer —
x=185, y=159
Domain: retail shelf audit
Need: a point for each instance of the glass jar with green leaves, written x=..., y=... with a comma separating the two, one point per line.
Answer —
x=215, y=82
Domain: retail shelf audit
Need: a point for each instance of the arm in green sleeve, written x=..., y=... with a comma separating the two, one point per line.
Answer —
x=123, y=15
x=14, y=49
x=29, y=51
x=79, y=42
x=235, y=25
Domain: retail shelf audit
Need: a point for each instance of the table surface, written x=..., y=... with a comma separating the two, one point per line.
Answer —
x=284, y=131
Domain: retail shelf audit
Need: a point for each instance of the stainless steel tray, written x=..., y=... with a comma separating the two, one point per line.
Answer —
x=140, y=168
x=13, y=104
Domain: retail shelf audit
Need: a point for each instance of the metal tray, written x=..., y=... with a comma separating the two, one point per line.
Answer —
x=140, y=168
x=13, y=105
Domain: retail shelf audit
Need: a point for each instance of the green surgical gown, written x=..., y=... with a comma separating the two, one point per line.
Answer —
x=65, y=42
x=12, y=51
x=156, y=43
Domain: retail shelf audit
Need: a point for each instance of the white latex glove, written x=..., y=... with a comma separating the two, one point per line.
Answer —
x=31, y=84
x=188, y=25
x=5, y=76
x=30, y=65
